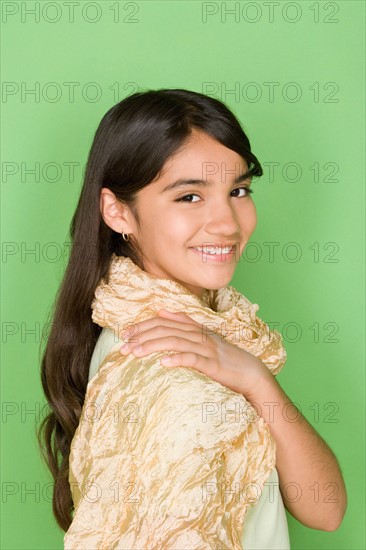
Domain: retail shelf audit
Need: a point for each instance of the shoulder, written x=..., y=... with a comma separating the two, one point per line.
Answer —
x=107, y=340
x=174, y=402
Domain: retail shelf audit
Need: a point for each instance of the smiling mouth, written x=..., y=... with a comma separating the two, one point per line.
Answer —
x=215, y=249
x=214, y=253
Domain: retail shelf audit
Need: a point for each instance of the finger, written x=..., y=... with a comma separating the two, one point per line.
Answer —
x=169, y=343
x=190, y=359
x=159, y=333
x=163, y=311
x=183, y=317
x=147, y=324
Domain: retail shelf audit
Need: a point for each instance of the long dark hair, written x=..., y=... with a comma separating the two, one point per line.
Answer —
x=131, y=145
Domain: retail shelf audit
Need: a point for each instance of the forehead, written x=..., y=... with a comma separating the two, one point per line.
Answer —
x=203, y=156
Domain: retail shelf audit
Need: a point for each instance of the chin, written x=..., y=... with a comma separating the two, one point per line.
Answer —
x=218, y=282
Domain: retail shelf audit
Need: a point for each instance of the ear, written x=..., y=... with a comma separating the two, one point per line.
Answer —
x=115, y=214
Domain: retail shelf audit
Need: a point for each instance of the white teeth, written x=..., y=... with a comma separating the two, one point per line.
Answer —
x=214, y=250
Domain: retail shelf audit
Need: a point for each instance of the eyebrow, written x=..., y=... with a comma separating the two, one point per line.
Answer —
x=181, y=182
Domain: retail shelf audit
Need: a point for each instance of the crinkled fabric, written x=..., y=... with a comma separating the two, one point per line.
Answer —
x=167, y=458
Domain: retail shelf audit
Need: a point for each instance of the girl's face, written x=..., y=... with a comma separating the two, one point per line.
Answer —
x=178, y=220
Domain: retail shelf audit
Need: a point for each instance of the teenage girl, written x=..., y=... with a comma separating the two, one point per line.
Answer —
x=165, y=212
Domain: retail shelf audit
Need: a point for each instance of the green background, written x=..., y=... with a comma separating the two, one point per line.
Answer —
x=312, y=127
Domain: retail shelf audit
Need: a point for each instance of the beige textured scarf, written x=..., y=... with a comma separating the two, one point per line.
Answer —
x=167, y=458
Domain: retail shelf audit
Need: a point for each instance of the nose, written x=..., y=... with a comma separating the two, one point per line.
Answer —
x=222, y=220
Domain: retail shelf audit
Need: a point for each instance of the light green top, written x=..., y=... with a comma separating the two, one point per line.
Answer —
x=265, y=524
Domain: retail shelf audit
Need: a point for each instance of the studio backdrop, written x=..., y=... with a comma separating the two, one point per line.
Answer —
x=293, y=73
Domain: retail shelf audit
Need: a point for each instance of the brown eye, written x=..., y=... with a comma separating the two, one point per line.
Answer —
x=182, y=199
x=247, y=189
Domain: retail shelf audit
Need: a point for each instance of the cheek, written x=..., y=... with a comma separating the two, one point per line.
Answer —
x=250, y=218
x=253, y=216
x=164, y=224
x=179, y=221
x=153, y=218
